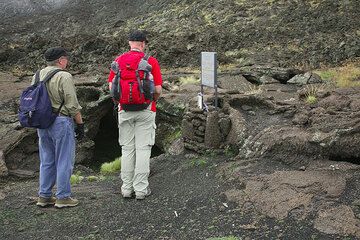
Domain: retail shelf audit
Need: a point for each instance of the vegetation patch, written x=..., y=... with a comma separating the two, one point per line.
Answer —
x=189, y=80
x=92, y=178
x=311, y=92
x=111, y=167
x=198, y=162
x=173, y=136
x=76, y=178
x=344, y=76
x=253, y=90
x=311, y=99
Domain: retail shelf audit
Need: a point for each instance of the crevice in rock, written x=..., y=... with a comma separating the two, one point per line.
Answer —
x=353, y=160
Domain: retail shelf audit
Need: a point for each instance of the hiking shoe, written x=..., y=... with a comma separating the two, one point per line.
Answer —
x=66, y=202
x=143, y=196
x=44, y=202
x=127, y=194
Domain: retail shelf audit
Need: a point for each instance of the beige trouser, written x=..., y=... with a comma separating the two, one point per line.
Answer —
x=136, y=137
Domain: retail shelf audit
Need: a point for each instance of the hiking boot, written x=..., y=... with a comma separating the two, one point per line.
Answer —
x=44, y=202
x=127, y=194
x=66, y=202
x=143, y=196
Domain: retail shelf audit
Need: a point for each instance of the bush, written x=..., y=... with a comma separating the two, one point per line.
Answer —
x=76, y=178
x=111, y=167
x=92, y=178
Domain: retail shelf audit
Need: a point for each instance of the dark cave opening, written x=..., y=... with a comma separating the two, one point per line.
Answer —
x=353, y=160
x=107, y=147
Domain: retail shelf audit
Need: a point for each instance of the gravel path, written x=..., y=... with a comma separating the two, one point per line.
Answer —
x=187, y=203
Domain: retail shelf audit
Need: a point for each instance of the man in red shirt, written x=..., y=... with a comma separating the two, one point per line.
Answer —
x=137, y=128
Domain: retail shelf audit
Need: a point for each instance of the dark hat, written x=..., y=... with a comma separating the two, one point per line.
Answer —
x=55, y=53
x=138, y=36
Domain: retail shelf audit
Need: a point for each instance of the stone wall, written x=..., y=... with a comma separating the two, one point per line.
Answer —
x=205, y=130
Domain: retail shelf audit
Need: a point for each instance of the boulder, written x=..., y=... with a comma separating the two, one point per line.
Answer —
x=234, y=82
x=307, y=78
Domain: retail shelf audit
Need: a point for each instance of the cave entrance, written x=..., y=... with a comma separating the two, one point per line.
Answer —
x=106, y=141
x=107, y=147
x=354, y=160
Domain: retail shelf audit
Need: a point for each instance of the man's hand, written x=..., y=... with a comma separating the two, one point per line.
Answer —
x=79, y=131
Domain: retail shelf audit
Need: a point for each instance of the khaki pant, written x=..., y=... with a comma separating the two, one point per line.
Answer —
x=136, y=137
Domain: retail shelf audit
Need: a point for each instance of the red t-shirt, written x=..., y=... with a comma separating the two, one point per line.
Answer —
x=156, y=72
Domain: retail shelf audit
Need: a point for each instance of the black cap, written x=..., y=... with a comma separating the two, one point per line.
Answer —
x=55, y=53
x=138, y=36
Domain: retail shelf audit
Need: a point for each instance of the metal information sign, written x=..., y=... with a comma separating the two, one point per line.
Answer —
x=208, y=75
x=208, y=69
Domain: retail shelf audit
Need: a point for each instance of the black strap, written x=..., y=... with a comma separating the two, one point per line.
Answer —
x=147, y=56
x=138, y=80
x=51, y=74
x=37, y=77
x=47, y=78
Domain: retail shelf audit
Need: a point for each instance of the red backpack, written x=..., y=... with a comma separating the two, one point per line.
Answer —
x=133, y=85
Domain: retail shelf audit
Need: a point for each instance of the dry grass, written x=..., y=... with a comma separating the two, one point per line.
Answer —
x=189, y=80
x=254, y=90
x=344, y=76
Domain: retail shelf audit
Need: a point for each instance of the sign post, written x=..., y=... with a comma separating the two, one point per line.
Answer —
x=209, y=73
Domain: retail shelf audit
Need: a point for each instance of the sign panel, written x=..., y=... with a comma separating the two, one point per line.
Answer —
x=208, y=69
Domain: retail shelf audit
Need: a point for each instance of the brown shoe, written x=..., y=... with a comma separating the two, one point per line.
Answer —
x=44, y=202
x=66, y=202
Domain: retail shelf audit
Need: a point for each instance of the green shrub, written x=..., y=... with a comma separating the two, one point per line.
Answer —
x=92, y=178
x=76, y=178
x=111, y=167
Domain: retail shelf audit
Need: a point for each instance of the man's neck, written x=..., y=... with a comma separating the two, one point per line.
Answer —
x=135, y=49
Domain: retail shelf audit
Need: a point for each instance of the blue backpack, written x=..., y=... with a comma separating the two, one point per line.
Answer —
x=35, y=110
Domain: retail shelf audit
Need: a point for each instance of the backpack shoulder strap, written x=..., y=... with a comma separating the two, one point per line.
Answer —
x=47, y=78
x=51, y=74
x=37, y=77
x=147, y=56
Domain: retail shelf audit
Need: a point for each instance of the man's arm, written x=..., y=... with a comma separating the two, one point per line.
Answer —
x=157, y=93
x=156, y=72
x=78, y=118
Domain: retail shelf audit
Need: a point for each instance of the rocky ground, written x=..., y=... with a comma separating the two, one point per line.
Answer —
x=198, y=197
x=298, y=33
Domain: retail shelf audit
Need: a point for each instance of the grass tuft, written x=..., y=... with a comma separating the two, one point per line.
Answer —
x=198, y=162
x=311, y=99
x=111, y=167
x=189, y=80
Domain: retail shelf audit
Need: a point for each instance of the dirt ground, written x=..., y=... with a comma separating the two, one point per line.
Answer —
x=188, y=202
